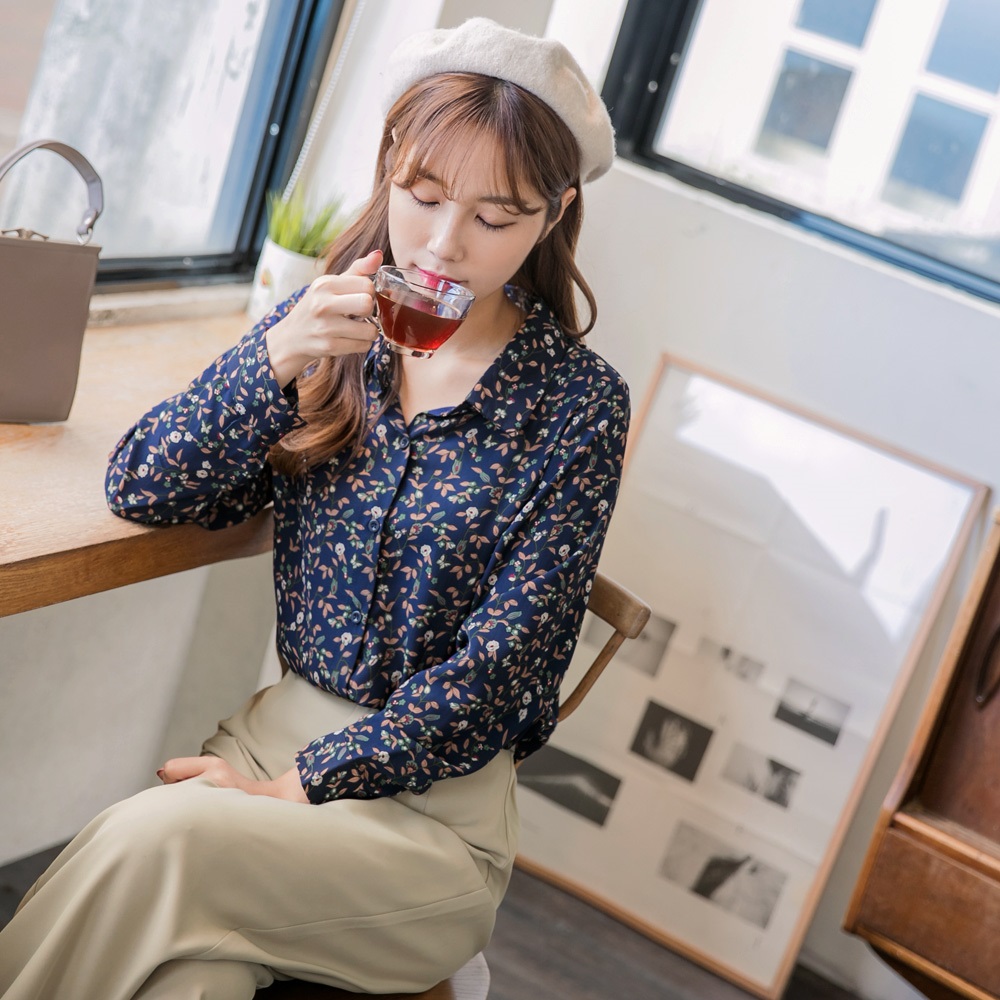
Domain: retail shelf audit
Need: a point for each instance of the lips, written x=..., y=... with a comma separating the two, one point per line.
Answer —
x=437, y=279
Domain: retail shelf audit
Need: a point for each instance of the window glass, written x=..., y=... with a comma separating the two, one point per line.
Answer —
x=937, y=150
x=869, y=136
x=805, y=103
x=967, y=47
x=845, y=20
x=169, y=101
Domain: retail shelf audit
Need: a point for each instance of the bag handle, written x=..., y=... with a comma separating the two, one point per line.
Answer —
x=95, y=190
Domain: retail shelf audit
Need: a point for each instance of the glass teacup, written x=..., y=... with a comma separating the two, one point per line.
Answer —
x=415, y=312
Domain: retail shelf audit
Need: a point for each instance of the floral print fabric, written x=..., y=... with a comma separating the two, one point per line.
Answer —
x=440, y=576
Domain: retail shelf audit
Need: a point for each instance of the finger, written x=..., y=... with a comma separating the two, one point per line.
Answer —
x=342, y=284
x=181, y=768
x=357, y=304
x=366, y=265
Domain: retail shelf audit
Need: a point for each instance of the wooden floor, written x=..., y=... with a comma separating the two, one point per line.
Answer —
x=550, y=946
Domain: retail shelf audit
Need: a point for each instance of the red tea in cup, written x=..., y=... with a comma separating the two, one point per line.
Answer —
x=417, y=313
x=413, y=329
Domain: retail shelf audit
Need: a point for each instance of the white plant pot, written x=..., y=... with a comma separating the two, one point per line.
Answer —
x=279, y=273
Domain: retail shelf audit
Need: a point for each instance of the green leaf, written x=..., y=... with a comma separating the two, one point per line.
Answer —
x=292, y=226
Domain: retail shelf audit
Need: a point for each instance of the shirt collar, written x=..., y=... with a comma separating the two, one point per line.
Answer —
x=513, y=385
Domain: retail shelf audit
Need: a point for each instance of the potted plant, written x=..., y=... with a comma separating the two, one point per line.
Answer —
x=296, y=236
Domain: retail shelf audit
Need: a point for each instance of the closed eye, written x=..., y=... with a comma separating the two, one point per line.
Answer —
x=489, y=226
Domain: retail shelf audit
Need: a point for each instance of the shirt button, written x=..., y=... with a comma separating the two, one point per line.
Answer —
x=403, y=442
x=374, y=524
x=356, y=617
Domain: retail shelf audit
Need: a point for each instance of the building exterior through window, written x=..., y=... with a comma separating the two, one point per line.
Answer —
x=880, y=114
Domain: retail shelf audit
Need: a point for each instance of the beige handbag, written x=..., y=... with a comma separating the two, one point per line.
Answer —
x=45, y=288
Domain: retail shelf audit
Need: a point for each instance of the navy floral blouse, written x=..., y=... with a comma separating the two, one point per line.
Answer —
x=441, y=575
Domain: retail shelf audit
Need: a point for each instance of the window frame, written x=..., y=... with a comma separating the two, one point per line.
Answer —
x=311, y=38
x=641, y=73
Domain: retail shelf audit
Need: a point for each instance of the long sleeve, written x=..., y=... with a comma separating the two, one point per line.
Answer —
x=500, y=687
x=201, y=455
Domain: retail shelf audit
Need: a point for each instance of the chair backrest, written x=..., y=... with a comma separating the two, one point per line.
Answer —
x=626, y=614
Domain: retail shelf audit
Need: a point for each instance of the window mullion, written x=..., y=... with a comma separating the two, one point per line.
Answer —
x=878, y=102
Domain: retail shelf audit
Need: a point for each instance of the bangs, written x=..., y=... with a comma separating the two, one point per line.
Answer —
x=438, y=126
x=443, y=155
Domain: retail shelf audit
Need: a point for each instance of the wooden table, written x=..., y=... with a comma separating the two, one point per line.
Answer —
x=58, y=540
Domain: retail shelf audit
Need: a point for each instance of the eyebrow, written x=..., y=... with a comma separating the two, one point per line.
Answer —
x=492, y=199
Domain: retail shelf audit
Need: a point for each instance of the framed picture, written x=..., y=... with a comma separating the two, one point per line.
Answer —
x=794, y=569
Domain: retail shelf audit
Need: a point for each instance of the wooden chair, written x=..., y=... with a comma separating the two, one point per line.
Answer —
x=627, y=615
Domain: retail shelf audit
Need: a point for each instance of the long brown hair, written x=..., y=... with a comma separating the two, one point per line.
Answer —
x=435, y=122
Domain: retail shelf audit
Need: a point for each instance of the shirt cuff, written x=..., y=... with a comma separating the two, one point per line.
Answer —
x=254, y=396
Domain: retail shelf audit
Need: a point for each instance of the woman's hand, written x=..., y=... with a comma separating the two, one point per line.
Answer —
x=327, y=322
x=287, y=786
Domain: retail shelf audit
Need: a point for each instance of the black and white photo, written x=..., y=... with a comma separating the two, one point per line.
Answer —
x=731, y=878
x=731, y=660
x=818, y=714
x=671, y=740
x=570, y=782
x=762, y=775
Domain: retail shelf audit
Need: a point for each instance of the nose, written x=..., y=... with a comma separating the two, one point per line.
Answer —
x=445, y=240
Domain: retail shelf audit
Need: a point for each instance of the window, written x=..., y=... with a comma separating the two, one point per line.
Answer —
x=936, y=153
x=845, y=20
x=189, y=110
x=805, y=105
x=872, y=121
x=967, y=43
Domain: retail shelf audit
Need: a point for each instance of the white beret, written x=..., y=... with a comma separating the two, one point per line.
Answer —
x=542, y=66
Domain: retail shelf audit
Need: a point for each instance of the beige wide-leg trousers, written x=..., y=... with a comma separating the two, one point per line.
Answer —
x=192, y=891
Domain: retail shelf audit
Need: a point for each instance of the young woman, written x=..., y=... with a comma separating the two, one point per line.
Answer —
x=437, y=527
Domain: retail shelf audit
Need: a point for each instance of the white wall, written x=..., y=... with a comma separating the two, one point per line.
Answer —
x=91, y=697
x=85, y=691
x=905, y=359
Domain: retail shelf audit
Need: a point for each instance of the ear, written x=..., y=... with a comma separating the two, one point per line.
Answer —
x=567, y=198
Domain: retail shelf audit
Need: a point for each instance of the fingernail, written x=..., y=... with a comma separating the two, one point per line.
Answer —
x=159, y=774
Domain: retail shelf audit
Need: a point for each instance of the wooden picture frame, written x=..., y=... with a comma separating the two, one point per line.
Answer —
x=794, y=569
